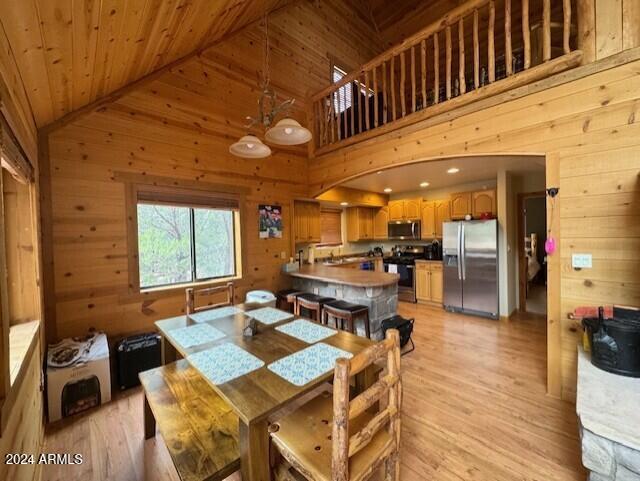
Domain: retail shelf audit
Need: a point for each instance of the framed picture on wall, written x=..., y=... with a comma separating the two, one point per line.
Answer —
x=270, y=221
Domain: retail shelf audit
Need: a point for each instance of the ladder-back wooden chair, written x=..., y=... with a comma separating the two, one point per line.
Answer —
x=193, y=293
x=340, y=440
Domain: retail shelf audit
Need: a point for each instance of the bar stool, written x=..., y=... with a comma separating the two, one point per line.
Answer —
x=348, y=312
x=286, y=299
x=313, y=303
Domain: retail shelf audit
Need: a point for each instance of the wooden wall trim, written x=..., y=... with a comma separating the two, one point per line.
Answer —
x=48, y=285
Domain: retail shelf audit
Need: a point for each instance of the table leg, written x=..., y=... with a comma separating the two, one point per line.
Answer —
x=149, y=420
x=169, y=353
x=254, y=451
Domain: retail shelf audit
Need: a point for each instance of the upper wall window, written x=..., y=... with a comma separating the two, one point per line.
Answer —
x=344, y=102
x=183, y=238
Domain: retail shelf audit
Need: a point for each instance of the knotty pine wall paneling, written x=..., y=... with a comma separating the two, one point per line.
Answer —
x=591, y=125
x=180, y=125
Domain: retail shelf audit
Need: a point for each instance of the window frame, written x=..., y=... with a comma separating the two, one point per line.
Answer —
x=165, y=188
x=18, y=342
x=194, y=259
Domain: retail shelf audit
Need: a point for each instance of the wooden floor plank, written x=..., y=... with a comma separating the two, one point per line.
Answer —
x=474, y=408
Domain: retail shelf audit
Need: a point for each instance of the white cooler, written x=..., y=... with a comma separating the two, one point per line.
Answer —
x=265, y=298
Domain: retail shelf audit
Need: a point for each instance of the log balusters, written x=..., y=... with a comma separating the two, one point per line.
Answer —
x=431, y=67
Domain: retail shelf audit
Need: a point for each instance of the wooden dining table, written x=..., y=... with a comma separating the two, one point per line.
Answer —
x=260, y=393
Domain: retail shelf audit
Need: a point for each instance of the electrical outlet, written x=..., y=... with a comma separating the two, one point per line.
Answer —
x=283, y=255
x=581, y=261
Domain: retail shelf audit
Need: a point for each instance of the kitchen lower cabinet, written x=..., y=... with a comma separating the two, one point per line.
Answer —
x=429, y=282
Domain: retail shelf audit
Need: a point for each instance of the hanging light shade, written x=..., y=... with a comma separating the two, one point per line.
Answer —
x=288, y=132
x=250, y=147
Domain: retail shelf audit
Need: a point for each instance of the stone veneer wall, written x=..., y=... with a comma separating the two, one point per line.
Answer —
x=381, y=301
x=608, y=460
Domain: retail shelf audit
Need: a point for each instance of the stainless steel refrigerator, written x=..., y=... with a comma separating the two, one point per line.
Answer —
x=470, y=261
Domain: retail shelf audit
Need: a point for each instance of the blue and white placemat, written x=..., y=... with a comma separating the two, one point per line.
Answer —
x=312, y=362
x=224, y=362
x=212, y=314
x=196, y=335
x=270, y=315
x=306, y=331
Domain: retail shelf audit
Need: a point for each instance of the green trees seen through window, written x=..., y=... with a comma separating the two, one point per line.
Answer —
x=178, y=244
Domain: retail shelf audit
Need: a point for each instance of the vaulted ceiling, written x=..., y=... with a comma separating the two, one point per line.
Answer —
x=72, y=52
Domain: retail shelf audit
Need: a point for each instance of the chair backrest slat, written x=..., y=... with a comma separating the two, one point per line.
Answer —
x=346, y=445
x=365, y=400
x=193, y=293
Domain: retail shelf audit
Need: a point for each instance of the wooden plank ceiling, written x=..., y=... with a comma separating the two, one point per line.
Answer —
x=70, y=53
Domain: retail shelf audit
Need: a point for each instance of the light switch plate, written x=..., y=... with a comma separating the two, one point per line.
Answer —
x=581, y=261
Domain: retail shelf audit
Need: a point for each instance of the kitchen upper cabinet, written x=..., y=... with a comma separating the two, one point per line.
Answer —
x=359, y=224
x=443, y=214
x=306, y=221
x=460, y=205
x=429, y=282
x=428, y=219
x=405, y=209
x=396, y=210
x=381, y=223
x=483, y=201
x=434, y=213
x=412, y=208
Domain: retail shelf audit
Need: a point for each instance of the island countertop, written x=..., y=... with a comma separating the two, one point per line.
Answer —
x=347, y=277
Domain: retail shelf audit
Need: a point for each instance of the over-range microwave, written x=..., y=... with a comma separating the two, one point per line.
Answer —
x=404, y=230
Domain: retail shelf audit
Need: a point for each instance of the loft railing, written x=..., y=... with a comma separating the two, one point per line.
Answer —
x=432, y=71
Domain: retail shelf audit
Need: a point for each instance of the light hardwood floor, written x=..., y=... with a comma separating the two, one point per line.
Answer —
x=474, y=408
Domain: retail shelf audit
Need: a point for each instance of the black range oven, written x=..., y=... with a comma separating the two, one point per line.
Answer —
x=405, y=268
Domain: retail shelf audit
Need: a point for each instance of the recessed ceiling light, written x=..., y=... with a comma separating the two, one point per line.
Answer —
x=453, y=170
x=388, y=189
x=424, y=184
x=344, y=203
x=379, y=172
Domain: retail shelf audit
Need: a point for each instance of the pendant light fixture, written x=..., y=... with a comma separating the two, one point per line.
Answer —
x=250, y=147
x=286, y=132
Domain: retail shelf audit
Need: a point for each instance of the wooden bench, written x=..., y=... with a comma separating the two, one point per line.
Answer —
x=198, y=427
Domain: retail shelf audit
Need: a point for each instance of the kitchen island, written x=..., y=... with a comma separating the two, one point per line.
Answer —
x=376, y=290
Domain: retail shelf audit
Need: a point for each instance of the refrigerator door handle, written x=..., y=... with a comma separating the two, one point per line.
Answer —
x=463, y=253
x=459, y=252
